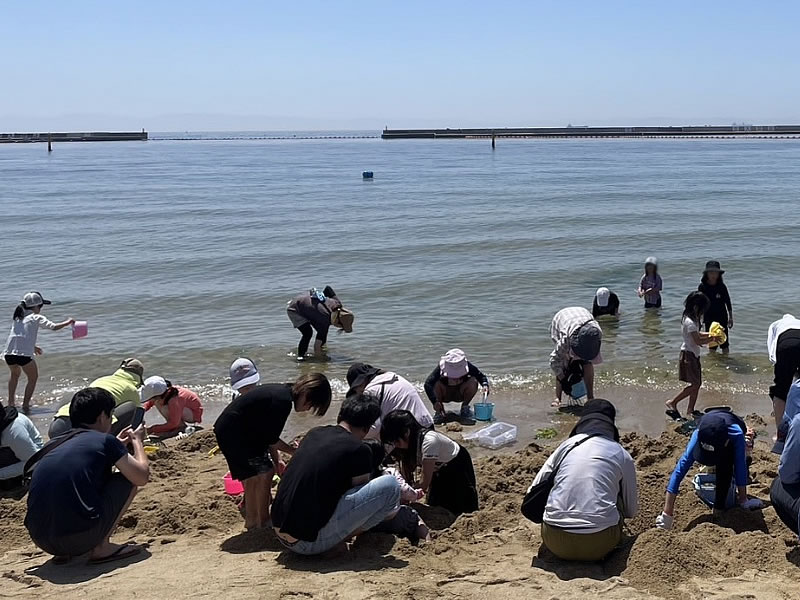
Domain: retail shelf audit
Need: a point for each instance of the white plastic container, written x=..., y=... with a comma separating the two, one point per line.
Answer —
x=494, y=436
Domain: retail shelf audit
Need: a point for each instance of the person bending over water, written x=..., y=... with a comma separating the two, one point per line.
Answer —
x=455, y=379
x=75, y=501
x=650, y=285
x=605, y=302
x=317, y=311
x=690, y=370
x=179, y=407
x=123, y=385
x=448, y=477
x=577, y=337
x=720, y=440
x=594, y=489
x=720, y=309
x=326, y=496
x=248, y=430
x=21, y=345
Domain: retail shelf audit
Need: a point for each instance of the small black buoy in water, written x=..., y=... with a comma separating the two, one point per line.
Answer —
x=366, y=175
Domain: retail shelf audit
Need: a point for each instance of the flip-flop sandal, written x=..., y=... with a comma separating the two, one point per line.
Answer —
x=697, y=414
x=61, y=560
x=674, y=414
x=556, y=404
x=119, y=554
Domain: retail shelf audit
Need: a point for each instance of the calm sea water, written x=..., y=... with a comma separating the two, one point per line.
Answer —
x=184, y=253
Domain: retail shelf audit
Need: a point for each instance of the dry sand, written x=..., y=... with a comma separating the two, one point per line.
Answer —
x=196, y=546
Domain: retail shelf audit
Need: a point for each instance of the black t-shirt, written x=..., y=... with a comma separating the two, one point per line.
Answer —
x=66, y=490
x=611, y=309
x=319, y=474
x=720, y=302
x=256, y=419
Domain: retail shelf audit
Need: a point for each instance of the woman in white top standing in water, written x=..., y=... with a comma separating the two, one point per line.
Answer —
x=21, y=346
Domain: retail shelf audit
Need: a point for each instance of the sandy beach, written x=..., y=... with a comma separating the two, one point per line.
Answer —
x=196, y=547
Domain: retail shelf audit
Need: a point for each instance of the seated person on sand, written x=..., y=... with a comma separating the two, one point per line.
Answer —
x=123, y=385
x=19, y=440
x=594, y=490
x=577, y=337
x=248, y=430
x=720, y=441
x=75, y=501
x=405, y=522
x=179, y=407
x=455, y=379
x=392, y=391
x=790, y=411
x=326, y=496
x=316, y=311
x=605, y=302
x=448, y=477
x=785, y=491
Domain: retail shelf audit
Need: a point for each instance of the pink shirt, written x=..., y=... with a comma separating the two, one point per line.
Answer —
x=173, y=412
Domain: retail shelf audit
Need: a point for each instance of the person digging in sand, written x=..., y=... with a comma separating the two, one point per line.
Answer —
x=248, y=431
x=690, y=370
x=720, y=441
x=75, y=502
x=577, y=337
x=326, y=496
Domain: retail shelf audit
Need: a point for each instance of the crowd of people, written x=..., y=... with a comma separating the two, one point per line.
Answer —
x=384, y=454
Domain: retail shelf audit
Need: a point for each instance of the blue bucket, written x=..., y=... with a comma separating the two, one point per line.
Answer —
x=483, y=411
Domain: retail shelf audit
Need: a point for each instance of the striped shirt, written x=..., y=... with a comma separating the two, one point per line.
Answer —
x=566, y=322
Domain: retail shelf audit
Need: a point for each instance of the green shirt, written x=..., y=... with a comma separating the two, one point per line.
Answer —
x=123, y=385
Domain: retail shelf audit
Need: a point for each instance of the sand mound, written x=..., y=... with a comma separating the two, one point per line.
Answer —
x=185, y=498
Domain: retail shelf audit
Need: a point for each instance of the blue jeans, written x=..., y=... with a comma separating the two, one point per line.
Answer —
x=360, y=509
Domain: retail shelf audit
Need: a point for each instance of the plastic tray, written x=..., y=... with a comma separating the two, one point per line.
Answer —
x=495, y=435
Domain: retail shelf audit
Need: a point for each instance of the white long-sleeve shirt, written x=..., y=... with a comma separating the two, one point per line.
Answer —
x=785, y=323
x=23, y=439
x=588, y=483
x=22, y=338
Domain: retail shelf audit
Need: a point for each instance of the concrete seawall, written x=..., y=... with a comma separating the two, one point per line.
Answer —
x=92, y=136
x=597, y=132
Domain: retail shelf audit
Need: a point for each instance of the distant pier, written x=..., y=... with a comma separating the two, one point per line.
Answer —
x=92, y=136
x=703, y=131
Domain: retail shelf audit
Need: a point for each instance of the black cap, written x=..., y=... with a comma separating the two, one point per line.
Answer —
x=713, y=265
x=712, y=437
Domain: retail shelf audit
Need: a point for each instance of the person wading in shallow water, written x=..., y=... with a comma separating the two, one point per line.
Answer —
x=577, y=338
x=317, y=311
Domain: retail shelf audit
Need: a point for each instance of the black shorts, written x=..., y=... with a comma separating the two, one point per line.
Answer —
x=244, y=460
x=17, y=360
x=89, y=533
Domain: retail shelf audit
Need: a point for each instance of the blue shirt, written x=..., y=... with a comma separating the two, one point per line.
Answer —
x=736, y=436
x=792, y=406
x=789, y=469
x=66, y=493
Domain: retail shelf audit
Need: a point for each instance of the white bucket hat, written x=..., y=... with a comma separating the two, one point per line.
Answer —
x=153, y=386
x=454, y=365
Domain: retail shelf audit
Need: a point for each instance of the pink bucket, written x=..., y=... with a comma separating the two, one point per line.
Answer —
x=233, y=487
x=80, y=329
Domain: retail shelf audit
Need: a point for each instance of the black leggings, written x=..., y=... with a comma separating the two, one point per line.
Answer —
x=307, y=332
x=724, y=476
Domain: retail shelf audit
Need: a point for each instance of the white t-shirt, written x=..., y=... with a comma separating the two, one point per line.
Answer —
x=687, y=328
x=396, y=393
x=438, y=447
x=22, y=339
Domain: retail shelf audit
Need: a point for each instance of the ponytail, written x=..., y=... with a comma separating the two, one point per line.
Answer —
x=328, y=292
x=19, y=312
x=170, y=393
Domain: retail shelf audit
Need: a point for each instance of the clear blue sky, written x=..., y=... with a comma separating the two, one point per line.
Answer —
x=175, y=65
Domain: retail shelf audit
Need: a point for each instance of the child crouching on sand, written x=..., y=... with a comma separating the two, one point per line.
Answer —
x=448, y=477
x=405, y=522
x=689, y=369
